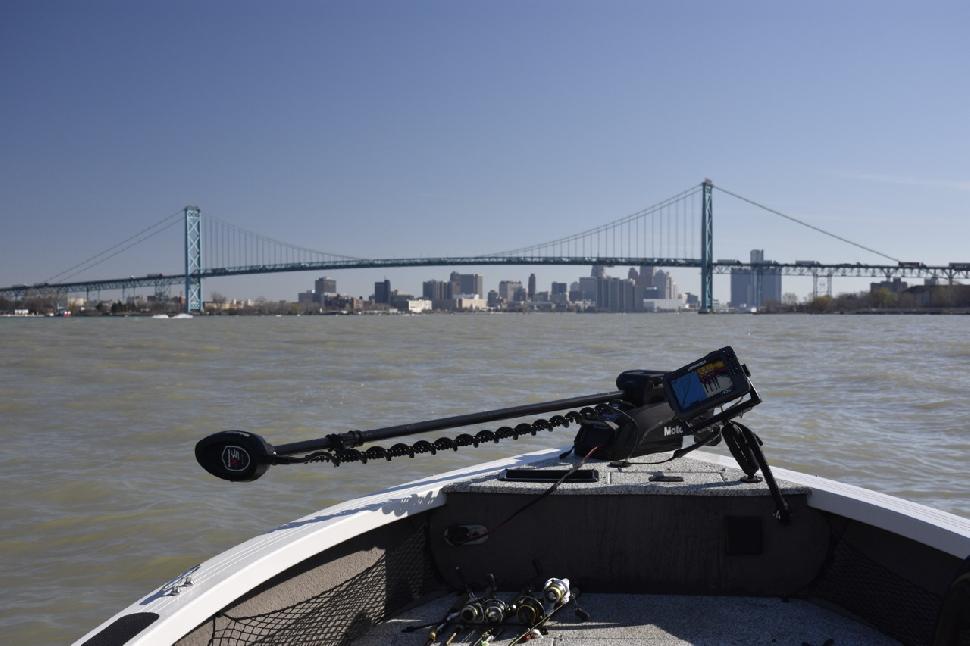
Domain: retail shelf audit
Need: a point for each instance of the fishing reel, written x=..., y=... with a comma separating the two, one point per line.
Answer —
x=496, y=611
x=556, y=590
x=472, y=613
x=528, y=609
x=490, y=611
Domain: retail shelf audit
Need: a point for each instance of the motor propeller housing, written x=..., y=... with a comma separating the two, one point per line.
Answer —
x=237, y=456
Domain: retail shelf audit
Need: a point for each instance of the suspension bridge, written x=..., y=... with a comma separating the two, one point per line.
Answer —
x=675, y=232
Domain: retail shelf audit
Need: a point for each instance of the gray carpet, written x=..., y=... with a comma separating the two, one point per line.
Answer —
x=661, y=620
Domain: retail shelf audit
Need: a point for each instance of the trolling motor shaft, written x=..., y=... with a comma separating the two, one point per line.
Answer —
x=241, y=456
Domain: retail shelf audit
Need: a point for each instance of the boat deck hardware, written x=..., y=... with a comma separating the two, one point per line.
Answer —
x=550, y=475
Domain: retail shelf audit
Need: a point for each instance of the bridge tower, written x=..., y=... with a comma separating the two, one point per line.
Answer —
x=193, y=259
x=707, y=248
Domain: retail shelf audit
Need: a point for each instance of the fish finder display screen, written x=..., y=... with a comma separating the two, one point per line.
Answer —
x=705, y=384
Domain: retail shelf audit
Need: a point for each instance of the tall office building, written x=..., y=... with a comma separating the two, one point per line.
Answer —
x=532, y=287
x=742, y=288
x=559, y=293
x=382, y=291
x=664, y=283
x=755, y=287
x=508, y=288
x=646, y=276
x=616, y=295
x=766, y=281
x=597, y=271
x=467, y=284
x=324, y=285
x=435, y=291
x=770, y=285
x=473, y=284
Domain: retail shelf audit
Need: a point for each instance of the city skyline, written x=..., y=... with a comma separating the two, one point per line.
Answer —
x=349, y=130
x=598, y=290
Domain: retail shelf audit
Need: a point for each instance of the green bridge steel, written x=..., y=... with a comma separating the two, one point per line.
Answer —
x=662, y=235
x=947, y=272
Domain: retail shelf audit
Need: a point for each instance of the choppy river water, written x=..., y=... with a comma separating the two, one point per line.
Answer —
x=103, y=500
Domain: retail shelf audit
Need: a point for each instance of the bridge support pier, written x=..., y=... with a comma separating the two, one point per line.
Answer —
x=707, y=249
x=193, y=259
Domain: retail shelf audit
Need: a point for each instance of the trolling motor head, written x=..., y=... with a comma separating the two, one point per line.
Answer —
x=663, y=407
x=237, y=456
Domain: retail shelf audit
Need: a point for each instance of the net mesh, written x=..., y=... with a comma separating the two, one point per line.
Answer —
x=893, y=604
x=342, y=613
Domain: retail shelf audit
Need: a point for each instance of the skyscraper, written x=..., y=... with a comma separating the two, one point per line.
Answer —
x=382, y=291
x=616, y=295
x=757, y=286
x=532, y=287
x=664, y=283
x=324, y=285
x=559, y=293
x=507, y=289
x=646, y=276
x=435, y=291
x=467, y=284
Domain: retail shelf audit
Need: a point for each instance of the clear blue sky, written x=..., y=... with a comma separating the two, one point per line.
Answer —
x=383, y=129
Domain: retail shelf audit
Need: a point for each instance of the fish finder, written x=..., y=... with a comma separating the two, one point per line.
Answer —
x=715, y=380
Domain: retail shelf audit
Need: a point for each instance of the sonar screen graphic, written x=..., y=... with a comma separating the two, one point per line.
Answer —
x=705, y=382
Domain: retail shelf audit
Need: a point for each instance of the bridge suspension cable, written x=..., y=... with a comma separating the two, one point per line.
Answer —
x=804, y=224
x=106, y=254
x=227, y=245
x=666, y=229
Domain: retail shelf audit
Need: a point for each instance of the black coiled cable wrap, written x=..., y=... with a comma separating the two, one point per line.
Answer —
x=339, y=455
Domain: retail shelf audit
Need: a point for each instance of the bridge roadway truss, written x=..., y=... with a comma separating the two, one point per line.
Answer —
x=161, y=281
x=661, y=235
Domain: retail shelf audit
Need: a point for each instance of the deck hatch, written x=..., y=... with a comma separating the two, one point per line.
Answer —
x=550, y=475
x=743, y=535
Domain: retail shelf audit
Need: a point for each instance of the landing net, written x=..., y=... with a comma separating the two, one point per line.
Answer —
x=342, y=613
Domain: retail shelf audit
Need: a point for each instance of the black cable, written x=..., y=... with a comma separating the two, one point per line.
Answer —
x=488, y=532
x=681, y=452
x=603, y=227
x=338, y=455
x=115, y=246
x=806, y=224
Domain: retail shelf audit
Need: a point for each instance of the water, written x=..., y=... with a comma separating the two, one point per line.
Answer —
x=103, y=500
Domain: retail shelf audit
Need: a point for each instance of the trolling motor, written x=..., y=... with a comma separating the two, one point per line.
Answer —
x=650, y=413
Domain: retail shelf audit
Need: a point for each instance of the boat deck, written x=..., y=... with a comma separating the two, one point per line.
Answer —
x=700, y=478
x=655, y=620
